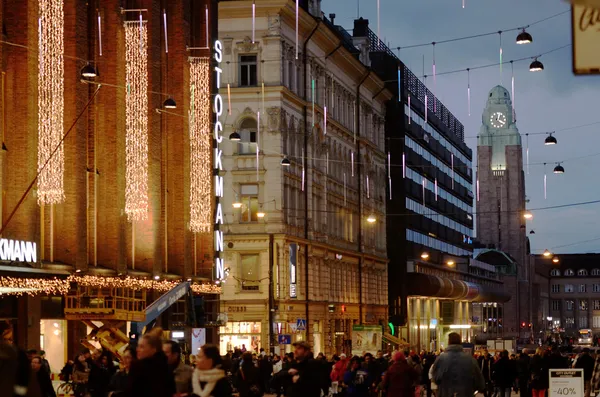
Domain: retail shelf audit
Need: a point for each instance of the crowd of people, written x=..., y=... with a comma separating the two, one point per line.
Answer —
x=156, y=368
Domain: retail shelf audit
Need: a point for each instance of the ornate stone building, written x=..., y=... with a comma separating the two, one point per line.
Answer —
x=300, y=244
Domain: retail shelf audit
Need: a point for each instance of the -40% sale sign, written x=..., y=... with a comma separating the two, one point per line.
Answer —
x=566, y=382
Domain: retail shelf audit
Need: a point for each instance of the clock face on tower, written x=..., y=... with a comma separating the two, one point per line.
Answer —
x=498, y=120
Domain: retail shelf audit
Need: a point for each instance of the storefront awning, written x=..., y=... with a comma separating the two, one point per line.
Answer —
x=419, y=284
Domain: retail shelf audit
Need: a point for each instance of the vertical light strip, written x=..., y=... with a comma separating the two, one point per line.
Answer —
x=325, y=120
x=378, y=21
x=297, y=28
x=99, y=33
x=512, y=85
x=545, y=183
x=368, y=187
x=354, y=119
x=166, y=31
x=390, y=186
x=312, y=97
x=229, y=98
x=206, y=24
x=257, y=142
x=424, y=186
x=436, y=189
x=477, y=186
x=463, y=3
x=500, y=34
x=469, y=90
x=452, y=164
x=352, y=163
x=327, y=162
x=263, y=96
x=253, y=21
x=136, y=110
x=399, y=85
x=434, y=78
x=403, y=165
x=303, y=171
x=389, y=164
x=426, y=99
x=527, y=152
x=409, y=110
x=51, y=102
x=201, y=144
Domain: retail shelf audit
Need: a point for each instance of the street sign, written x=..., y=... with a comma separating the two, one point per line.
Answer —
x=586, y=39
x=285, y=339
x=294, y=327
x=301, y=324
x=566, y=382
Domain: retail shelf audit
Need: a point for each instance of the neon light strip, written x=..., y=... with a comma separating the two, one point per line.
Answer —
x=297, y=29
x=254, y=21
x=206, y=19
x=436, y=190
x=352, y=162
x=100, y=33
x=409, y=110
x=390, y=185
x=313, y=101
x=344, y=188
x=368, y=190
x=229, y=97
x=403, y=165
x=166, y=31
x=303, y=174
x=452, y=164
x=257, y=142
x=325, y=120
x=469, y=90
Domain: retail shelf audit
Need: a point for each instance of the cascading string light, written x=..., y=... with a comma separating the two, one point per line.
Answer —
x=99, y=33
x=51, y=102
x=200, y=146
x=136, y=111
x=469, y=91
x=166, y=31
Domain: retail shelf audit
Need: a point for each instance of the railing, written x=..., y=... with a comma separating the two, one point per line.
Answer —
x=412, y=84
x=106, y=299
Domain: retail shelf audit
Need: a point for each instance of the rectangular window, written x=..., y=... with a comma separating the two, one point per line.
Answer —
x=249, y=202
x=555, y=305
x=583, y=305
x=248, y=70
x=250, y=272
x=570, y=305
x=556, y=288
x=596, y=321
x=595, y=287
x=569, y=322
x=581, y=287
x=596, y=304
x=583, y=322
x=569, y=288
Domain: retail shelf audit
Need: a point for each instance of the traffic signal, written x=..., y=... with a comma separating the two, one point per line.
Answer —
x=523, y=324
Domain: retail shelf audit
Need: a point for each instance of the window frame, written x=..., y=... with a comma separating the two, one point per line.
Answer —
x=246, y=64
x=555, y=272
x=247, y=200
x=247, y=285
x=569, y=272
x=582, y=272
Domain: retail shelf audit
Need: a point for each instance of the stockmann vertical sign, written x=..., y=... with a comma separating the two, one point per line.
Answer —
x=218, y=109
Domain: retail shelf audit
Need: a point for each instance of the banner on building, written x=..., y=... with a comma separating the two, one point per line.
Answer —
x=366, y=339
x=293, y=270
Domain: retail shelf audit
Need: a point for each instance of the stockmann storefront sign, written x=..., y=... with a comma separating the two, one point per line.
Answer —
x=19, y=251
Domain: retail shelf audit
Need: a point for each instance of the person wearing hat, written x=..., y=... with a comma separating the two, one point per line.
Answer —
x=400, y=378
x=305, y=373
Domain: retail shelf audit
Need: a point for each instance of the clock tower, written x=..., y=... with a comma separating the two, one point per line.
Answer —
x=501, y=199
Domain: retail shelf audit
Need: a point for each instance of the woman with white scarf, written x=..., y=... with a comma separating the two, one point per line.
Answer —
x=209, y=380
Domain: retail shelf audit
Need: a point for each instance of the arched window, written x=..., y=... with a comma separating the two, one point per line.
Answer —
x=555, y=272
x=569, y=272
x=595, y=272
x=582, y=272
x=247, y=132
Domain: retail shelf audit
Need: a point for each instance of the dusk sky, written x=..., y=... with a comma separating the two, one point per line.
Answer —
x=552, y=100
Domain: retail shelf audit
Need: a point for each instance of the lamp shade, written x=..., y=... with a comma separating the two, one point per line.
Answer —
x=559, y=169
x=524, y=38
x=88, y=71
x=169, y=103
x=550, y=140
x=536, y=66
x=285, y=162
x=234, y=136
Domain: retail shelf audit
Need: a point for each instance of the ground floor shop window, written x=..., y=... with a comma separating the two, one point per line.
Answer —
x=53, y=340
x=240, y=335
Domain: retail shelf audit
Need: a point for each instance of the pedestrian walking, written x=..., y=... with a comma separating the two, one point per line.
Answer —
x=400, y=378
x=455, y=372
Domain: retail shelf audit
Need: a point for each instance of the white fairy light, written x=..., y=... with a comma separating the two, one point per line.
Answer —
x=136, y=114
x=51, y=102
x=200, y=146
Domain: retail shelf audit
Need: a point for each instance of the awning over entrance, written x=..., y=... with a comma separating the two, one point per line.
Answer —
x=419, y=284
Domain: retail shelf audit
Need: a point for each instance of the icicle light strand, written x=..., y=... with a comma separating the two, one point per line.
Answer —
x=201, y=168
x=136, y=110
x=51, y=90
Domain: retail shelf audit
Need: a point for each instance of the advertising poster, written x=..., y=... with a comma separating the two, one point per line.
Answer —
x=366, y=339
x=566, y=382
x=198, y=339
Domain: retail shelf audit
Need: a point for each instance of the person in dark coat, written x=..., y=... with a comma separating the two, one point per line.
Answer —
x=43, y=377
x=586, y=362
x=100, y=375
x=149, y=375
x=118, y=383
x=304, y=373
x=357, y=379
x=485, y=363
x=209, y=379
x=249, y=382
x=538, y=369
x=400, y=377
x=504, y=374
x=523, y=374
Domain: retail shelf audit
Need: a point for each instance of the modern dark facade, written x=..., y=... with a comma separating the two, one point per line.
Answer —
x=429, y=206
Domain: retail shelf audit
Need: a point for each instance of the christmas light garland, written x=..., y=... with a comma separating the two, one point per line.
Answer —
x=56, y=286
x=136, y=138
x=51, y=157
x=200, y=147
